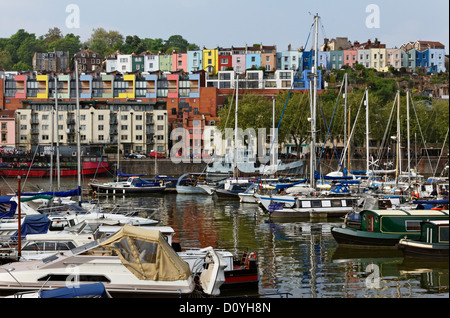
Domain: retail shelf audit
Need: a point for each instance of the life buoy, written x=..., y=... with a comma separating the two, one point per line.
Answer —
x=251, y=256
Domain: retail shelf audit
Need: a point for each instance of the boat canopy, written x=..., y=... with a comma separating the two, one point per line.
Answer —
x=147, y=254
x=4, y=212
x=70, y=193
x=444, y=201
x=121, y=174
x=33, y=224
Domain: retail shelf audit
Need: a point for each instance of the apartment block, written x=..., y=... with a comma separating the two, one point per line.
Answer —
x=88, y=61
x=57, y=61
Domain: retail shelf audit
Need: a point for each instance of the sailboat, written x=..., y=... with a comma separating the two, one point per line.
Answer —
x=306, y=203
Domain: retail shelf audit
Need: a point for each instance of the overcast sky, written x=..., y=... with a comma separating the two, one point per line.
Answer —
x=224, y=23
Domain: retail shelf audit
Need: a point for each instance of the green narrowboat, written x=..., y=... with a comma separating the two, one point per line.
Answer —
x=433, y=241
x=386, y=227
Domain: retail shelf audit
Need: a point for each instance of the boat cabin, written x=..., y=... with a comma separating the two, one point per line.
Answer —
x=406, y=222
x=434, y=232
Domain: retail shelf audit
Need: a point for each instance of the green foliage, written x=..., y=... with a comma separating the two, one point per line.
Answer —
x=16, y=52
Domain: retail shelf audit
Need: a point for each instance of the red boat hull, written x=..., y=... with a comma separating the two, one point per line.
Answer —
x=89, y=169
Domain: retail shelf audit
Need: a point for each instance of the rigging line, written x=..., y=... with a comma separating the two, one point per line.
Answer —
x=440, y=155
x=284, y=109
x=31, y=164
x=353, y=128
x=329, y=127
x=421, y=133
x=380, y=150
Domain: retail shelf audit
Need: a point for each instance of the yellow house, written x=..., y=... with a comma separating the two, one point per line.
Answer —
x=130, y=81
x=42, y=81
x=378, y=59
x=211, y=61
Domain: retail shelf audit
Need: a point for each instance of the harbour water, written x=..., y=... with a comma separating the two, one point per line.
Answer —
x=298, y=258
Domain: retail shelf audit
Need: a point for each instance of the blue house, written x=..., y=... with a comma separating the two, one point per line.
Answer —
x=305, y=81
x=422, y=58
x=253, y=61
x=194, y=61
x=436, y=59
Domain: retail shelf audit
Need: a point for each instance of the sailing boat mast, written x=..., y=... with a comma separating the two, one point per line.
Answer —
x=367, y=130
x=397, y=167
x=58, y=172
x=313, y=113
x=408, y=139
x=235, y=172
x=78, y=131
x=345, y=119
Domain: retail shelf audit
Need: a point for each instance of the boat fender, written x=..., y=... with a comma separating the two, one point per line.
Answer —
x=250, y=257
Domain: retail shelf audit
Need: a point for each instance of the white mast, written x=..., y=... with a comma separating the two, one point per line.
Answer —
x=58, y=177
x=78, y=130
x=367, y=130
x=313, y=114
x=235, y=172
x=408, y=136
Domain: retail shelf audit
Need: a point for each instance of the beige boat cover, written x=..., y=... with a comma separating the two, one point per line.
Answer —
x=147, y=254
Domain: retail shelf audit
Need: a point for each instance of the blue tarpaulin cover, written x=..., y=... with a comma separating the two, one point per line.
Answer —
x=33, y=224
x=121, y=174
x=58, y=194
x=6, y=202
x=77, y=291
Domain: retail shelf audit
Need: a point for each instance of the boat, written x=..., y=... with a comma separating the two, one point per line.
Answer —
x=433, y=241
x=133, y=185
x=67, y=215
x=193, y=183
x=91, y=166
x=231, y=187
x=241, y=268
x=385, y=227
x=145, y=266
x=313, y=207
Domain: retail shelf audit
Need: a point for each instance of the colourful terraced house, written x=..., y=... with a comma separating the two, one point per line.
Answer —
x=211, y=61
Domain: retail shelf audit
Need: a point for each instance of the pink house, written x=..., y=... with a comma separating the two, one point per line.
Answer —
x=179, y=62
x=350, y=57
x=21, y=86
x=7, y=128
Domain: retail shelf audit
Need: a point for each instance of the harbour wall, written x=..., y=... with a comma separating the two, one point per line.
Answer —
x=425, y=167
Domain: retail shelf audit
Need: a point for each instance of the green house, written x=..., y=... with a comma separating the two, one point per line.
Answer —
x=137, y=63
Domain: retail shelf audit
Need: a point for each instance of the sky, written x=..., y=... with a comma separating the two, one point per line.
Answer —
x=226, y=23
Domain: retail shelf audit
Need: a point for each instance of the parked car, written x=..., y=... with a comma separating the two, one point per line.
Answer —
x=158, y=155
x=135, y=155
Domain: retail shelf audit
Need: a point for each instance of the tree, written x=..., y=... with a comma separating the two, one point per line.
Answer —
x=53, y=35
x=103, y=42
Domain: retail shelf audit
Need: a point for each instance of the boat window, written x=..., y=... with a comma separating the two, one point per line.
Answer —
x=35, y=246
x=64, y=246
x=412, y=225
x=50, y=246
x=336, y=203
x=124, y=249
x=316, y=204
x=305, y=204
x=443, y=234
x=326, y=203
x=147, y=251
x=349, y=203
x=74, y=277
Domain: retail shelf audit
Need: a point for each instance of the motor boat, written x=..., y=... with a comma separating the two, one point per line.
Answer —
x=134, y=262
